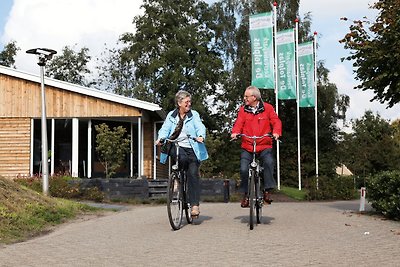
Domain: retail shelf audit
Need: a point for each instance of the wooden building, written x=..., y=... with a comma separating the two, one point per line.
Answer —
x=72, y=111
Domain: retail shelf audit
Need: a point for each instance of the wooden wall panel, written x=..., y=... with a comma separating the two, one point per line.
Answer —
x=21, y=98
x=148, y=150
x=162, y=169
x=14, y=146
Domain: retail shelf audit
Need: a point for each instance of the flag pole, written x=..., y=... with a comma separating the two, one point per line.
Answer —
x=278, y=171
x=316, y=106
x=298, y=101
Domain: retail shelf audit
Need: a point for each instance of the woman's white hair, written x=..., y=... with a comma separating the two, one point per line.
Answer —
x=180, y=95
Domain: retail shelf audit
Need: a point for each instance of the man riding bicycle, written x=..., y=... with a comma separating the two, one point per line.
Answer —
x=256, y=118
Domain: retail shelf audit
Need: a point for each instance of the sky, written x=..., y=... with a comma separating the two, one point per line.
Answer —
x=96, y=23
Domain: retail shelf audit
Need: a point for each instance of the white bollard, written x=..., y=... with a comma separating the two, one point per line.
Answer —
x=362, y=199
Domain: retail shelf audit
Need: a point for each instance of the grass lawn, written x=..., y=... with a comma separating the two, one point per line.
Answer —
x=294, y=193
x=24, y=213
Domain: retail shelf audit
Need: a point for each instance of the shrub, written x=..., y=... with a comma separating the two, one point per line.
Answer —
x=33, y=182
x=63, y=187
x=331, y=188
x=59, y=186
x=111, y=147
x=383, y=192
x=93, y=193
x=359, y=181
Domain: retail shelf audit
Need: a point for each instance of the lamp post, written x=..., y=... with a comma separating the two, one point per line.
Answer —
x=43, y=54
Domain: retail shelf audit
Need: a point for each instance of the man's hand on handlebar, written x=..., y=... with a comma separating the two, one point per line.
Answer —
x=276, y=136
x=234, y=136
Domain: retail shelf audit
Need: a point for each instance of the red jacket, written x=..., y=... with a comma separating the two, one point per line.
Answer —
x=263, y=120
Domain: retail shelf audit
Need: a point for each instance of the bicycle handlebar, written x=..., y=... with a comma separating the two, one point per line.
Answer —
x=177, y=139
x=270, y=135
x=256, y=137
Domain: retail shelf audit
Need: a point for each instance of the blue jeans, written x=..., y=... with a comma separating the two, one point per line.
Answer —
x=188, y=162
x=266, y=161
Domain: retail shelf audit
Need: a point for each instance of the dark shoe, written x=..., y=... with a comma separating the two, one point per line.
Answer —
x=245, y=202
x=268, y=197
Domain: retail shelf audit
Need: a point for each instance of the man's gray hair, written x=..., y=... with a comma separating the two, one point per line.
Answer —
x=180, y=95
x=254, y=91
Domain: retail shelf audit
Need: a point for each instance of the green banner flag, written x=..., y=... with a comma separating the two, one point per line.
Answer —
x=262, y=52
x=286, y=64
x=306, y=75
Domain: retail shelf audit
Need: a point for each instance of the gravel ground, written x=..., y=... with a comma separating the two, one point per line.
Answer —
x=291, y=234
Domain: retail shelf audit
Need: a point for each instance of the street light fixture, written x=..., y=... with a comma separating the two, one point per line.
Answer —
x=43, y=54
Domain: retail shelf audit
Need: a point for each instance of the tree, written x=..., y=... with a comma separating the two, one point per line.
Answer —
x=232, y=33
x=371, y=148
x=112, y=146
x=206, y=51
x=396, y=133
x=173, y=49
x=117, y=74
x=232, y=36
x=8, y=54
x=374, y=48
x=70, y=66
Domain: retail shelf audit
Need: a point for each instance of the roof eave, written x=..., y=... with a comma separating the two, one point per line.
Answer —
x=82, y=90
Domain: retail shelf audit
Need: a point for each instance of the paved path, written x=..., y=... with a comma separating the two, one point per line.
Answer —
x=292, y=234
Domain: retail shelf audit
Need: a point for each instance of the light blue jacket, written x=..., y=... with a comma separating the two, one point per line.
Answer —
x=194, y=127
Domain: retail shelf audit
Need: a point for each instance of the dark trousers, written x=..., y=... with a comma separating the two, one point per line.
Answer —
x=266, y=161
x=188, y=162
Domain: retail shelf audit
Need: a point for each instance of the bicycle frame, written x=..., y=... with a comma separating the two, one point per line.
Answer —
x=177, y=192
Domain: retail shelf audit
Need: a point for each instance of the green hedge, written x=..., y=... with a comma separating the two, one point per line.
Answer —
x=331, y=188
x=383, y=192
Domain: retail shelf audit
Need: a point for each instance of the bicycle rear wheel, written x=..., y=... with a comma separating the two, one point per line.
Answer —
x=186, y=204
x=251, y=197
x=174, y=201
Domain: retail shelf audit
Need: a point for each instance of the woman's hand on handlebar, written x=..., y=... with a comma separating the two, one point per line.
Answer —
x=200, y=139
x=159, y=142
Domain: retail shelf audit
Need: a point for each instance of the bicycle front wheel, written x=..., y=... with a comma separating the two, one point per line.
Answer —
x=258, y=197
x=186, y=204
x=251, y=197
x=174, y=201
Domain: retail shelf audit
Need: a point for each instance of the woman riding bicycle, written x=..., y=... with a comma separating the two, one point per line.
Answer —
x=256, y=118
x=180, y=123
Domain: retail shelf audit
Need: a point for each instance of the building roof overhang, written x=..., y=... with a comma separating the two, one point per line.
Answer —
x=148, y=106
